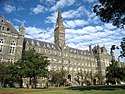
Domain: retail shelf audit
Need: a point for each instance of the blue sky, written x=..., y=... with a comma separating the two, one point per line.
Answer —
x=82, y=26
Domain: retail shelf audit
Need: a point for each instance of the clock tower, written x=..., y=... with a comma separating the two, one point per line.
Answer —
x=59, y=32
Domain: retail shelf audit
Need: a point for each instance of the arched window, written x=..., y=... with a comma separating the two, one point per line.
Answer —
x=10, y=60
x=3, y=28
x=1, y=59
x=0, y=27
x=12, y=47
x=8, y=29
x=1, y=45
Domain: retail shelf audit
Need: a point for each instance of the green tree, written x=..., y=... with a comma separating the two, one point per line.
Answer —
x=111, y=11
x=8, y=74
x=32, y=65
x=113, y=73
x=86, y=77
x=122, y=47
x=58, y=78
x=3, y=74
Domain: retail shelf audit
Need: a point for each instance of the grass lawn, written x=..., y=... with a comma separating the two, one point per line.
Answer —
x=70, y=90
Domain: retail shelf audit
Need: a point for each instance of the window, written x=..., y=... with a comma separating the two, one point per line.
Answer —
x=1, y=59
x=32, y=42
x=38, y=44
x=8, y=29
x=49, y=52
x=1, y=48
x=10, y=60
x=1, y=45
x=12, y=47
x=44, y=51
x=0, y=27
x=3, y=28
x=53, y=47
x=1, y=41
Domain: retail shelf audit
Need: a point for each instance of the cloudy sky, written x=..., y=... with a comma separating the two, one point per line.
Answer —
x=82, y=26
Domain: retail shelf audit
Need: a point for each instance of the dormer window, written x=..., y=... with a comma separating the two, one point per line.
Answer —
x=8, y=29
x=53, y=47
x=48, y=45
x=38, y=44
x=32, y=42
x=44, y=46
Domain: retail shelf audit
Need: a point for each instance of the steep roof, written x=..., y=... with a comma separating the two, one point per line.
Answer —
x=12, y=29
x=78, y=51
x=7, y=24
x=42, y=44
x=53, y=46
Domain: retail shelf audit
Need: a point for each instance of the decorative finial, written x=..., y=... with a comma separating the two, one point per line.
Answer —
x=22, y=26
x=59, y=7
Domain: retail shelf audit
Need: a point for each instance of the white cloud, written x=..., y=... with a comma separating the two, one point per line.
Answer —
x=90, y=1
x=39, y=33
x=68, y=14
x=75, y=13
x=75, y=23
x=38, y=9
x=84, y=30
x=90, y=35
x=48, y=2
x=17, y=20
x=9, y=8
x=51, y=18
x=20, y=8
x=63, y=3
x=109, y=26
x=99, y=28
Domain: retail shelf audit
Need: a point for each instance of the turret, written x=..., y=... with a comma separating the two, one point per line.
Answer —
x=22, y=29
x=90, y=49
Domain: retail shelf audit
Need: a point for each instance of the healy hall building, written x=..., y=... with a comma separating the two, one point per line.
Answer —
x=96, y=59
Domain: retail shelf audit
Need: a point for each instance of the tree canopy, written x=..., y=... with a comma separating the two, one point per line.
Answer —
x=114, y=73
x=32, y=65
x=58, y=78
x=111, y=11
x=8, y=74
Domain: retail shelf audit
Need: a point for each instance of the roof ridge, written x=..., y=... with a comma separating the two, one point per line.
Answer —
x=41, y=41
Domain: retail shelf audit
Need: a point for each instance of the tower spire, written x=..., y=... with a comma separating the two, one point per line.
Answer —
x=59, y=12
x=59, y=32
x=59, y=21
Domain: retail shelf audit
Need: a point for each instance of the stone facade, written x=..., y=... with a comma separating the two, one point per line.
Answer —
x=11, y=42
x=73, y=60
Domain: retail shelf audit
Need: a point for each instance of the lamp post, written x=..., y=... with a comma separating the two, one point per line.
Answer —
x=21, y=77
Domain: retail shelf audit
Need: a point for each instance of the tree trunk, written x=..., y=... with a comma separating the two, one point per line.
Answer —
x=21, y=81
x=30, y=86
x=34, y=81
